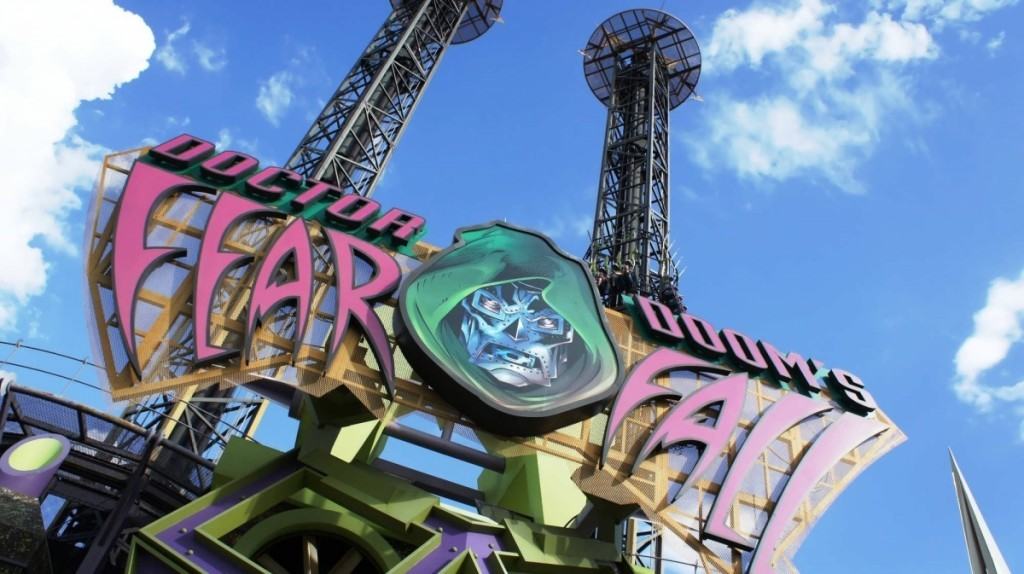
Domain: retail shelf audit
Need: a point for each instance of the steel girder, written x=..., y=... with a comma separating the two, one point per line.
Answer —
x=352, y=139
x=631, y=218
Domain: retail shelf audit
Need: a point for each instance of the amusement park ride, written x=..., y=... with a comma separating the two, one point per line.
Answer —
x=473, y=408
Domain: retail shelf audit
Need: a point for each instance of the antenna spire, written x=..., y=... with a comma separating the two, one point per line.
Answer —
x=981, y=545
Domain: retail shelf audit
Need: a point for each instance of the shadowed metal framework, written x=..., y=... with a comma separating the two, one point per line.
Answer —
x=200, y=420
x=640, y=64
x=123, y=471
x=352, y=139
x=111, y=483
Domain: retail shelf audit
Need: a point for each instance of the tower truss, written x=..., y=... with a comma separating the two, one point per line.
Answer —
x=641, y=64
x=352, y=139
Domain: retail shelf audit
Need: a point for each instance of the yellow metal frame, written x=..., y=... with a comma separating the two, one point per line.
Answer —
x=164, y=338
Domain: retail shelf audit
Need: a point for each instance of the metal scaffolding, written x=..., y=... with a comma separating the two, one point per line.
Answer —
x=641, y=64
x=352, y=139
x=111, y=483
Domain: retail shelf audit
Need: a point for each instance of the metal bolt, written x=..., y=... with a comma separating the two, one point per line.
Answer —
x=190, y=552
x=454, y=549
x=183, y=530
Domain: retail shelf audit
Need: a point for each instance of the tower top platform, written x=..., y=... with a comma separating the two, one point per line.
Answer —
x=618, y=38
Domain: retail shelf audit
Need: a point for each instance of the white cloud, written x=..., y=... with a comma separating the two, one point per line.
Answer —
x=176, y=122
x=995, y=43
x=746, y=37
x=210, y=59
x=224, y=139
x=227, y=140
x=44, y=161
x=943, y=12
x=997, y=328
x=275, y=96
x=568, y=226
x=838, y=82
x=790, y=134
x=969, y=36
x=168, y=55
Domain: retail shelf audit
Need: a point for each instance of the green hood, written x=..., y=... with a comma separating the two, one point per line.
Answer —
x=499, y=253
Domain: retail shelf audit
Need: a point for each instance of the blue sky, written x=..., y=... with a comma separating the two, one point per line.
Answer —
x=849, y=188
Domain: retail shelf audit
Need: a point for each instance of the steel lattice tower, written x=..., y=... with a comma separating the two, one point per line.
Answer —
x=641, y=64
x=352, y=139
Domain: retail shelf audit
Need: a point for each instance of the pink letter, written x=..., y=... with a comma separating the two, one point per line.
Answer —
x=680, y=426
x=703, y=335
x=659, y=318
x=227, y=167
x=213, y=264
x=744, y=350
x=783, y=367
x=352, y=210
x=268, y=293
x=640, y=386
x=356, y=301
x=779, y=418
x=838, y=439
x=402, y=225
x=146, y=187
x=314, y=193
x=268, y=183
x=182, y=151
x=850, y=391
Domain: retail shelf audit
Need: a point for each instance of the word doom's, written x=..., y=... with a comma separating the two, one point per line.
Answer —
x=685, y=424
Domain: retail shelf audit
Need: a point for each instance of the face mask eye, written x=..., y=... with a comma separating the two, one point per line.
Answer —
x=548, y=324
x=488, y=305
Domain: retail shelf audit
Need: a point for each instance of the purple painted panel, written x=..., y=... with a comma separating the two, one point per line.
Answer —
x=356, y=301
x=181, y=536
x=640, y=386
x=779, y=418
x=680, y=424
x=213, y=264
x=132, y=261
x=838, y=439
x=268, y=293
x=455, y=539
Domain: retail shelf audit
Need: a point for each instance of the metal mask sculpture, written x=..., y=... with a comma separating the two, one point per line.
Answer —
x=510, y=329
x=511, y=332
